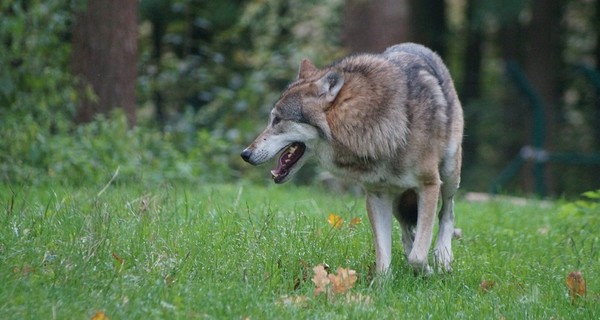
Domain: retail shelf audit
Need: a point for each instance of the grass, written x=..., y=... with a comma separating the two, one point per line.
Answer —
x=234, y=251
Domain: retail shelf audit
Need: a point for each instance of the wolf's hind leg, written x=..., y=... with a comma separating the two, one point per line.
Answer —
x=427, y=204
x=443, y=248
x=408, y=237
x=406, y=213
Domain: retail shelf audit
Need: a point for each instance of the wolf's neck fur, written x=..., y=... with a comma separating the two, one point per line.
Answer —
x=363, y=105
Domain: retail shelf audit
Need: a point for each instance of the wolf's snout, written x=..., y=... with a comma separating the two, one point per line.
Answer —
x=246, y=154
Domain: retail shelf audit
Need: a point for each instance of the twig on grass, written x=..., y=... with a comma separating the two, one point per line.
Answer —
x=109, y=182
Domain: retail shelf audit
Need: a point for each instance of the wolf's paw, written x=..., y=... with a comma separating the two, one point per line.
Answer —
x=419, y=265
x=443, y=260
x=423, y=271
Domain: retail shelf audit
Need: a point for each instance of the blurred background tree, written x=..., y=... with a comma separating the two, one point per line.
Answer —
x=104, y=57
x=200, y=79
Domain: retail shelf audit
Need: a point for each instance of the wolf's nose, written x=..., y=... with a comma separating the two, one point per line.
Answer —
x=246, y=155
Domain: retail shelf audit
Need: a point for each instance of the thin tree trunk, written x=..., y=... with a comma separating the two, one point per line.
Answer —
x=104, y=57
x=372, y=26
x=471, y=84
x=471, y=87
x=544, y=66
x=597, y=54
x=429, y=24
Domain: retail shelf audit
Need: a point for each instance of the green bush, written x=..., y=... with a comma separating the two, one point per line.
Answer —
x=94, y=152
x=38, y=139
x=586, y=211
x=37, y=95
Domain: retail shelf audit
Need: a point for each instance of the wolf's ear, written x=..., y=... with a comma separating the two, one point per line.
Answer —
x=330, y=84
x=306, y=67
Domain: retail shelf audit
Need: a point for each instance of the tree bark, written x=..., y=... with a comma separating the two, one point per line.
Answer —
x=597, y=58
x=544, y=65
x=471, y=83
x=429, y=24
x=471, y=86
x=104, y=57
x=597, y=28
x=372, y=26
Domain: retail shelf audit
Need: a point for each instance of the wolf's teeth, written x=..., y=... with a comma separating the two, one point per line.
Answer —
x=292, y=150
x=274, y=174
x=288, y=160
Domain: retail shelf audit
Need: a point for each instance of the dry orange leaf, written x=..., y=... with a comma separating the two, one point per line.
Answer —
x=330, y=283
x=320, y=279
x=343, y=281
x=120, y=260
x=576, y=285
x=25, y=271
x=99, y=316
x=335, y=220
x=487, y=285
x=354, y=222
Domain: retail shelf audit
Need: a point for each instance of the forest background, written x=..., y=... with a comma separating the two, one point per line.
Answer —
x=157, y=91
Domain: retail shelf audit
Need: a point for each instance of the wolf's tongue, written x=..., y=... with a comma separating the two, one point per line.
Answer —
x=288, y=158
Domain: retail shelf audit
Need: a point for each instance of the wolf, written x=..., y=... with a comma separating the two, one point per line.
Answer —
x=391, y=122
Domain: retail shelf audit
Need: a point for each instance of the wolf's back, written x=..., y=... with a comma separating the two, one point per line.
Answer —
x=413, y=58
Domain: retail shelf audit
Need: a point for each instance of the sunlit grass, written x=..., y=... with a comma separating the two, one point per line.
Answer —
x=233, y=251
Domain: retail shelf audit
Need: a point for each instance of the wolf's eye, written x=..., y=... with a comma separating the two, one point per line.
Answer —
x=276, y=120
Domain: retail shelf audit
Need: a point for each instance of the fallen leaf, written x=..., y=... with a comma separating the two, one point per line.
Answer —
x=119, y=262
x=343, y=281
x=486, y=285
x=335, y=220
x=576, y=284
x=320, y=279
x=333, y=284
x=354, y=222
x=119, y=259
x=25, y=271
x=99, y=316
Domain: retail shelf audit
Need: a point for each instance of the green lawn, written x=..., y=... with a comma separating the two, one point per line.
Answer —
x=237, y=251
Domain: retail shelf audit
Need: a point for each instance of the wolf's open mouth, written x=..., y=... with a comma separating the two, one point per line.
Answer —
x=290, y=155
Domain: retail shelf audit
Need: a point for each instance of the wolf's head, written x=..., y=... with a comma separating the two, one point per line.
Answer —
x=297, y=122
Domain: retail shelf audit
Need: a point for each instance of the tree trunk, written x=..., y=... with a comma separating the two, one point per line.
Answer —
x=471, y=83
x=372, y=26
x=597, y=28
x=471, y=86
x=429, y=24
x=597, y=55
x=544, y=65
x=104, y=57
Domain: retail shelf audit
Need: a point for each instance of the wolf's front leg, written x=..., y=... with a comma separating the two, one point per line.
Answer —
x=427, y=203
x=379, y=207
